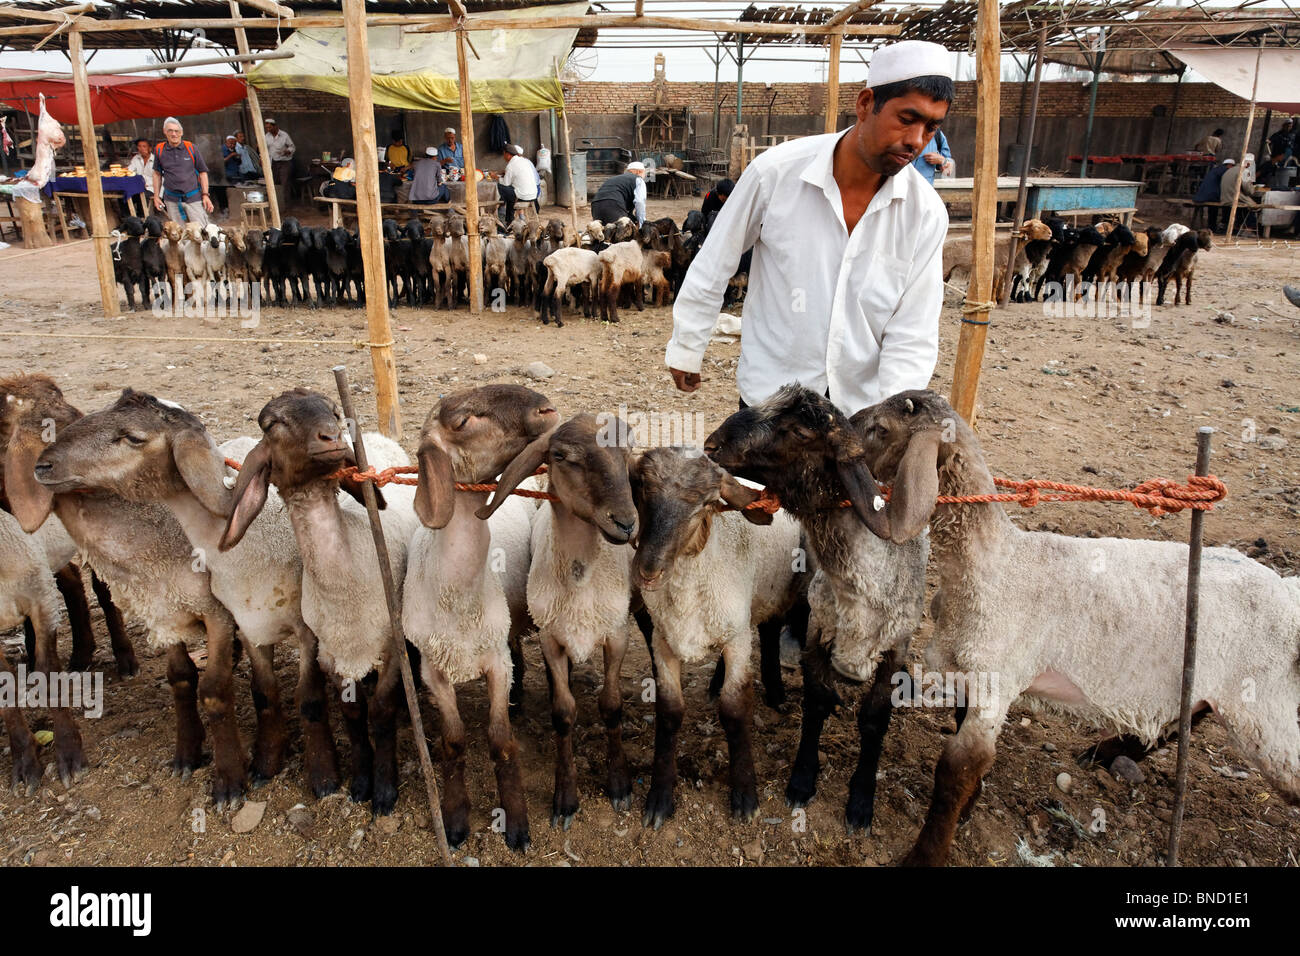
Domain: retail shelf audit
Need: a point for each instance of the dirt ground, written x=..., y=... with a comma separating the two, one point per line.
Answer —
x=1077, y=399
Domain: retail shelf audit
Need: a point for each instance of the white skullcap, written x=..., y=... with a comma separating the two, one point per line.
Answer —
x=450, y=129
x=231, y=136
x=636, y=167
x=269, y=121
x=1230, y=162
x=907, y=60
x=1249, y=157
x=517, y=150
x=431, y=151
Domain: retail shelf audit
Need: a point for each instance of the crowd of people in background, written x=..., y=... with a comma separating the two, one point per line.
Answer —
x=1247, y=181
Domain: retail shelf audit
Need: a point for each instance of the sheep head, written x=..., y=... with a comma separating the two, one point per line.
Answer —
x=1035, y=230
x=33, y=412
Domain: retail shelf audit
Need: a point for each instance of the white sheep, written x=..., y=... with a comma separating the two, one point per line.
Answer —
x=570, y=268
x=1092, y=627
x=622, y=266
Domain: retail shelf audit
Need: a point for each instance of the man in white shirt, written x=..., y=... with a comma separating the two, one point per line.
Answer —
x=845, y=284
x=141, y=163
x=518, y=183
x=280, y=148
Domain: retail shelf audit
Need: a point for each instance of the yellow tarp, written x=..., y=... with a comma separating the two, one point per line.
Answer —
x=417, y=71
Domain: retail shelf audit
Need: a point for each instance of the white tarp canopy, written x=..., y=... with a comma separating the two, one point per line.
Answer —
x=417, y=71
x=1233, y=69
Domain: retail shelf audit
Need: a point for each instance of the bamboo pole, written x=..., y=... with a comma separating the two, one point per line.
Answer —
x=1022, y=191
x=398, y=650
x=1245, y=144
x=94, y=185
x=361, y=104
x=977, y=309
x=568, y=159
x=471, y=179
x=833, y=84
x=153, y=67
x=1190, y=622
x=259, y=129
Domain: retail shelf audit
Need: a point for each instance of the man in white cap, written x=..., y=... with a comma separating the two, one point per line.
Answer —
x=450, y=153
x=622, y=195
x=518, y=183
x=845, y=283
x=280, y=148
x=427, y=182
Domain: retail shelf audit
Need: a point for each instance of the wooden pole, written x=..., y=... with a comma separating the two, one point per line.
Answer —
x=152, y=67
x=1189, y=653
x=568, y=160
x=1245, y=143
x=259, y=130
x=1092, y=104
x=833, y=84
x=977, y=307
x=94, y=185
x=1014, y=244
x=471, y=179
x=399, y=658
x=362, y=106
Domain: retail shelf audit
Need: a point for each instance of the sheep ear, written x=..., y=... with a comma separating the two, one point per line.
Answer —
x=202, y=470
x=864, y=493
x=916, y=487
x=30, y=500
x=739, y=496
x=525, y=463
x=435, y=498
x=250, y=493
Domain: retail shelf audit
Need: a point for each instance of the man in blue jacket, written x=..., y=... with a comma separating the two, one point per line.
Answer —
x=1209, y=189
x=933, y=157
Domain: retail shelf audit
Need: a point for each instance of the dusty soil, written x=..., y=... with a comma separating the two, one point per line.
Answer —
x=1079, y=399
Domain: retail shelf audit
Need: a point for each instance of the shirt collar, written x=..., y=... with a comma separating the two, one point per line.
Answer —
x=820, y=172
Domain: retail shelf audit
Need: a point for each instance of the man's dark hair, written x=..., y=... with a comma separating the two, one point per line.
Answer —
x=935, y=87
x=723, y=187
x=142, y=140
x=1218, y=132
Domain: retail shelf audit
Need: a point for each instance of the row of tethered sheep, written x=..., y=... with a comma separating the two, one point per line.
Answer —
x=537, y=262
x=663, y=535
x=1056, y=260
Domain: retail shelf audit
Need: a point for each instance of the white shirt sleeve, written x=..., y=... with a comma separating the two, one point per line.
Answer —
x=289, y=148
x=695, y=313
x=910, y=349
x=638, y=200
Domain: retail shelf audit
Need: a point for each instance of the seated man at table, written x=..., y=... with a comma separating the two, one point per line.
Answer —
x=427, y=185
x=450, y=153
x=1209, y=190
x=388, y=183
x=141, y=164
x=180, y=176
x=518, y=183
x=398, y=154
x=248, y=167
x=232, y=160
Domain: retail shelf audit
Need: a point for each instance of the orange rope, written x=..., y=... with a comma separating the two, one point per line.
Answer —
x=1160, y=496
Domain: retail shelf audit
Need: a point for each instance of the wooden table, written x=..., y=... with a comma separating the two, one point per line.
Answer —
x=389, y=209
x=962, y=188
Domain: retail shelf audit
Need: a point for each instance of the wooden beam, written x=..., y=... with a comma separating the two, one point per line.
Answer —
x=833, y=84
x=471, y=178
x=568, y=161
x=1245, y=147
x=362, y=106
x=269, y=6
x=977, y=309
x=1023, y=189
x=259, y=129
x=47, y=16
x=152, y=67
x=852, y=10
x=94, y=185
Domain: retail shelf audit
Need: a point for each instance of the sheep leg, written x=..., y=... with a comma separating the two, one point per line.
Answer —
x=647, y=627
x=873, y=722
x=272, y=739
x=383, y=709
x=352, y=704
x=69, y=758
x=967, y=756
x=27, y=767
x=736, y=710
x=618, y=785
x=517, y=670
x=123, y=652
x=563, y=713
x=455, y=796
x=183, y=677
x=217, y=692
x=505, y=756
x=68, y=580
x=319, y=753
x=819, y=701
x=670, y=707
x=769, y=662
x=1188, y=298
x=1266, y=734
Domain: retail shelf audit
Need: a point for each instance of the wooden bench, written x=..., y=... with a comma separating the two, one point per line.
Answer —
x=1199, y=209
x=390, y=209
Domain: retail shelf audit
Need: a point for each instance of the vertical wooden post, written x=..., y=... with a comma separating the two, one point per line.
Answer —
x=1245, y=146
x=977, y=308
x=94, y=186
x=259, y=130
x=833, y=84
x=471, y=178
x=362, y=106
x=1014, y=244
x=568, y=157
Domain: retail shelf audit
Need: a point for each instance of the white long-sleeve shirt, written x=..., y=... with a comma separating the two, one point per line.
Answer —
x=522, y=178
x=638, y=200
x=856, y=314
x=279, y=146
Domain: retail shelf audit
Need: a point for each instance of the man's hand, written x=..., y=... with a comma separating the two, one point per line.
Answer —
x=934, y=159
x=157, y=202
x=207, y=204
x=685, y=381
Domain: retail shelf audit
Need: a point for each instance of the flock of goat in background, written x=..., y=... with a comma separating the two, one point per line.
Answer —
x=535, y=262
x=665, y=536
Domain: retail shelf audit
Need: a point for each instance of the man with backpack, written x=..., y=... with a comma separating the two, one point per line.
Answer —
x=180, y=176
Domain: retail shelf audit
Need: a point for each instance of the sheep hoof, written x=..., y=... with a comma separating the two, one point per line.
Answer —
x=127, y=666
x=71, y=768
x=322, y=787
x=622, y=804
x=562, y=820
x=384, y=799
x=798, y=796
x=81, y=661
x=776, y=699
x=359, y=790
x=457, y=834
x=27, y=772
x=744, y=805
x=658, y=808
x=518, y=839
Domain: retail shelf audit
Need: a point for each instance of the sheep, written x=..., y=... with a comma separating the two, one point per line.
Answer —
x=417, y=266
x=173, y=234
x=570, y=268
x=153, y=261
x=1118, y=240
x=542, y=242
x=274, y=252
x=656, y=266
x=336, y=265
x=197, y=275
x=622, y=229
x=21, y=398
x=311, y=257
x=1140, y=265
x=214, y=255
x=142, y=553
x=237, y=272
x=517, y=263
x=293, y=263
x=1172, y=232
x=356, y=268
x=176, y=463
x=1110, y=649
x=1075, y=259
x=496, y=271
x=958, y=255
x=457, y=260
x=1180, y=263
x=709, y=577
x=579, y=583
x=27, y=593
x=456, y=609
x=128, y=263
x=343, y=599
x=440, y=284
x=255, y=257
x=621, y=266
x=866, y=596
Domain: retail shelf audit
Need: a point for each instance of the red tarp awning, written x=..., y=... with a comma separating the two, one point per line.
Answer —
x=114, y=98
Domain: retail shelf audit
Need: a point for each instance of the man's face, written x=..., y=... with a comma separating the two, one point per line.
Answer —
x=272, y=129
x=239, y=137
x=143, y=149
x=889, y=140
x=450, y=139
x=173, y=134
